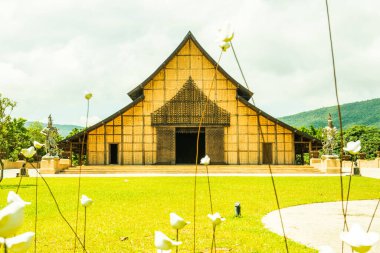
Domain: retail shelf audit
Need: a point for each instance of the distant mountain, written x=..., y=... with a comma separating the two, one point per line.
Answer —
x=63, y=130
x=359, y=113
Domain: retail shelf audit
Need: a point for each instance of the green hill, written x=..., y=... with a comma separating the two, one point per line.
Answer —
x=359, y=113
x=63, y=130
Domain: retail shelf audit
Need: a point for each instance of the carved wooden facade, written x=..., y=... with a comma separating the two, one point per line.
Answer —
x=170, y=102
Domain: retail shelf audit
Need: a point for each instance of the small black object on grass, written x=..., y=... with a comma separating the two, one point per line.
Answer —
x=237, y=209
x=356, y=169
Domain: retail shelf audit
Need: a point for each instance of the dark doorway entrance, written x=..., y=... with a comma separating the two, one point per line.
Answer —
x=267, y=153
x=186, y=143
x=113, y=154
x=301, y=149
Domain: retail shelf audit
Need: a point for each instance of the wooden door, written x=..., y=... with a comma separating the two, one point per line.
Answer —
x=114, y=154
x=165, y=145
x=267, y=153
x=215, y=144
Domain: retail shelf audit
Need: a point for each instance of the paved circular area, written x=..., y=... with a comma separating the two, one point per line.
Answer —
x=321, y=223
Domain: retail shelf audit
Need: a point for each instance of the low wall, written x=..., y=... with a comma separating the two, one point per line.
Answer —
x=317, y=163
x=363, y=163
x=18, y=164
x=8, y=165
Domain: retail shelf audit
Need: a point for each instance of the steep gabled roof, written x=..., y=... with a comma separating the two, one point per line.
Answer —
x=243, y=94
x=242, y=91
x=118, y=113
x=266, y=115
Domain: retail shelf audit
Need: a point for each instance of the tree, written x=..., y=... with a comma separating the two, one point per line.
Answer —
x=6, y=107
x=16, y=136
x=34, y=132
x=315, y=132
x=369, y=137
x=73, y=132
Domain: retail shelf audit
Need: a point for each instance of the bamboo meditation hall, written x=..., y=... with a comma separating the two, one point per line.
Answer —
x=160, y=125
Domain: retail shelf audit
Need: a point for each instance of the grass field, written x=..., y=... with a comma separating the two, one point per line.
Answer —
x=136, y=207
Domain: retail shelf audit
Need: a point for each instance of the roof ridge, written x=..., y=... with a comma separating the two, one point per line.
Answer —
x=137, y=91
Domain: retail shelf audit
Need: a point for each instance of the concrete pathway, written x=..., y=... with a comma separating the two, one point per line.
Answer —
x=321, y=223
x=374, y=173
x=32, y=173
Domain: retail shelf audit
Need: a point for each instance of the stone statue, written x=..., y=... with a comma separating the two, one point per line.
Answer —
x=51, y=134
x=328, y=137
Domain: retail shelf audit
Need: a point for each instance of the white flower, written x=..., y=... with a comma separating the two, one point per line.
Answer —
x=86, y=201
x=205, y=160
x=28, y=152
x=353, y=147
x=224, y=46
x=20, y=243
x=87, y=95
x=177, y=222
x=226, y=33
x=358, y=239
x=162, y=242
x=325, y=249
x=216, y=218
x=38, y=145
x=11, y=218
x=13, y=197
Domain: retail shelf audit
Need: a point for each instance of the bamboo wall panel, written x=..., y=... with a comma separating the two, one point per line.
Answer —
x=232, y=158
x=215, y=144
x=243, y=156
x=165, y=145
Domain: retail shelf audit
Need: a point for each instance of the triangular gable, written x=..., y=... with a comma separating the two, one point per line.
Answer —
x=186, y=107
x=241, y=91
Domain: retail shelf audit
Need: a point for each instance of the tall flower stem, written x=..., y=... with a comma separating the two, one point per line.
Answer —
x=57, y=206
x=84, y=234
x=197, y=149
x=339, y=116
x=348, y=193
x=19, y=182
x=209, y=189
x=35, y=217
x=176, y=248
x=80, y=174
x=373, y=216
x=5, y=246
x=213, y=242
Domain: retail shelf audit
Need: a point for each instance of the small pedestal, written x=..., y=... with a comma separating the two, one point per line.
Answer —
x=49, y=165
x=53, y=165
x=330, y=164
x=316, y=163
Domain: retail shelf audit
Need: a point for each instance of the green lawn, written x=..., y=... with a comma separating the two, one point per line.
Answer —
x=136, y=207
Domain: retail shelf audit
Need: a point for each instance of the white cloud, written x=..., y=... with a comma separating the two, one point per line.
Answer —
x=50, y=52
x=92, y=120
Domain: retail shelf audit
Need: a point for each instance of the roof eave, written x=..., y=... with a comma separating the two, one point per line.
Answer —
x=260, y=112
x=119, y=112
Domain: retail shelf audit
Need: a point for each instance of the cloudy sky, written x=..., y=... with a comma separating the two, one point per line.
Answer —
x=52, y=51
